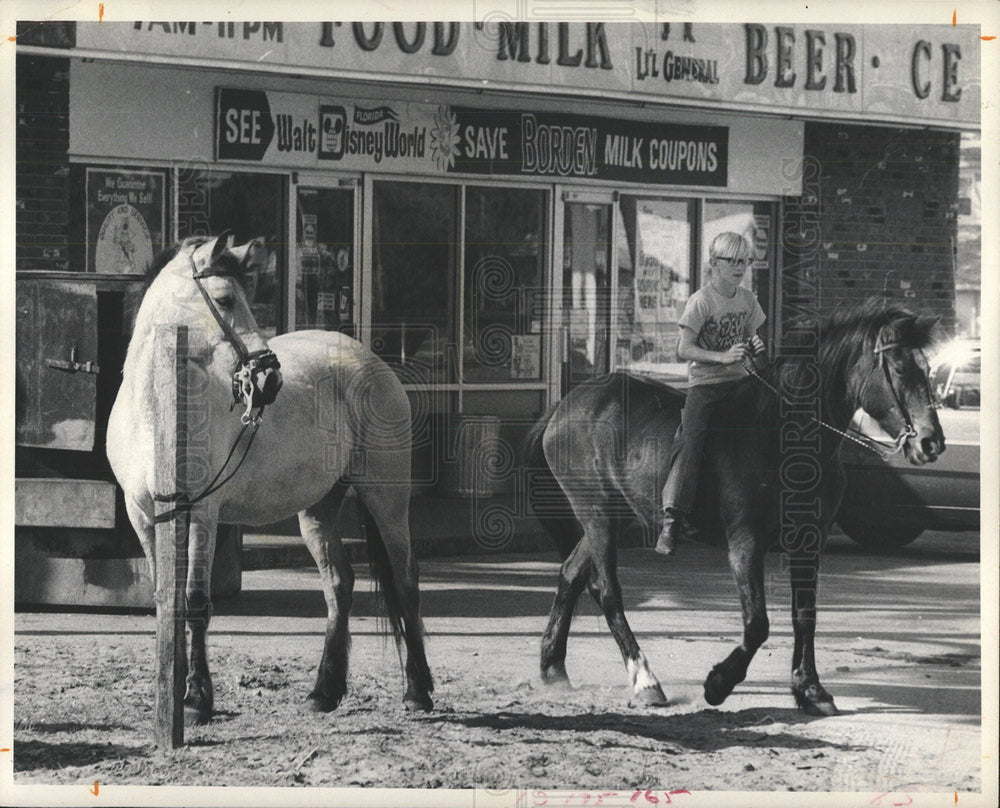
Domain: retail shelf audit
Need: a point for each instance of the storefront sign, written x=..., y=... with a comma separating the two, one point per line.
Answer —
x=254, y=125
x=125, y=219
x=298, y=130
x=579, y=146
x=906, y=73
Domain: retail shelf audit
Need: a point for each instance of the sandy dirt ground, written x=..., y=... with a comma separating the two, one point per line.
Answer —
x=898, y=646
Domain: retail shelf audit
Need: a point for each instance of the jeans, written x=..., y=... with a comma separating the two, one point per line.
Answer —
x=685, y=456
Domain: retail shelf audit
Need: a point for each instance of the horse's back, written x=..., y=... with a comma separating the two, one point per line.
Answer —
x=340, y=365
x=341, y=415
x=614, y=434
x=626, y=402
x=299, y=350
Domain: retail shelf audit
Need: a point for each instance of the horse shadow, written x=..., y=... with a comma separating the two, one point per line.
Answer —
x=707, y=730
x=39, y=755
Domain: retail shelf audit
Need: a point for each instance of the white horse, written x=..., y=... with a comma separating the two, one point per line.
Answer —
x=342, y=419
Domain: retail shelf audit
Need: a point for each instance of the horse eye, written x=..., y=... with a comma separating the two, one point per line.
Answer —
x=224, y=301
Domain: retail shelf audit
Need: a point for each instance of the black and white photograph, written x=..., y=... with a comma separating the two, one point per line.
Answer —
x=501, y=403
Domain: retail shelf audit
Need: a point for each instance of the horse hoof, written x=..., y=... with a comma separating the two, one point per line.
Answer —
x=650, y=697
x=195, y=716
x=555, y=676
x=418, y=704
x=824, y=709
x=318, y=703
x=717, y=689
x=814, y=700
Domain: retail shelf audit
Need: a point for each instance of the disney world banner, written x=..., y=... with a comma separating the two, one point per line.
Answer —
x=302, y=131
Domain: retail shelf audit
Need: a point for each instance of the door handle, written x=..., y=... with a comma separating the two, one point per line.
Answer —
x=73, y=366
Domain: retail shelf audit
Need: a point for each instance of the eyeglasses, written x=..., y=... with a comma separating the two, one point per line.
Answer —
x=738, y=262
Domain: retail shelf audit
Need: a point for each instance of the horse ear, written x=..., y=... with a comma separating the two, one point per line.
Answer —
x=222, y=243
x=927, y=327
x=208, y=252
x=917, y=331
x=243, y=252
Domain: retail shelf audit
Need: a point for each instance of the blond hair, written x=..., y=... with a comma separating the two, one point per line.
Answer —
x=729, y=245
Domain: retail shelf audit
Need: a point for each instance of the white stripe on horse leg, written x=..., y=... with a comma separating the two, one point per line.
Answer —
x=645, y=685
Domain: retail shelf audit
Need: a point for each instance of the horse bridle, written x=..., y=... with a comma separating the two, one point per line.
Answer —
x=859, y=437
x=250, y=379
x=909, y=430
x=250, y=387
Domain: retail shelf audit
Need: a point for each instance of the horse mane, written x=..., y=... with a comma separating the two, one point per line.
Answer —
x=834, y=345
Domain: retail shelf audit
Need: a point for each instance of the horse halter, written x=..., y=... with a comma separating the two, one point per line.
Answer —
x=909, y=431
x=255, y=385
x=859, y=437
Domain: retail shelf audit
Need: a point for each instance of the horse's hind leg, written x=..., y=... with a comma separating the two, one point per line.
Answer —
x=809, y=694
x=199, y=699
x=387, y=517
x=645, y=686
x=573, y=576
x=319, y=530
x=746, y=559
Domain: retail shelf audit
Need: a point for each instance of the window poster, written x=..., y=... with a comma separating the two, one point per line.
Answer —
x=126, y=219
x=662, y=264
x=526, y=354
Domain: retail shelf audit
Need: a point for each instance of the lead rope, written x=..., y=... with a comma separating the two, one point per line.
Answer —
x=185, y=501
x=868, y=443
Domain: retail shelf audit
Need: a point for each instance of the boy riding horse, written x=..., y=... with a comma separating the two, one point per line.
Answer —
x=718, y=332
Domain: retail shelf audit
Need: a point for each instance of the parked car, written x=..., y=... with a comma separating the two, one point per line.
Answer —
x=889, y=504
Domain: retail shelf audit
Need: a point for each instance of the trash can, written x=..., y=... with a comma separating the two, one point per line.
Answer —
x=469, y=467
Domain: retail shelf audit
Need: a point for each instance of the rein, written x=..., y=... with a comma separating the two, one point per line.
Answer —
x=250, y=364
x=245, y=390
x=858, y=437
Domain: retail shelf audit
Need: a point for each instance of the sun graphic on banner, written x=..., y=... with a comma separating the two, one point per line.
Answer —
x=444, y=138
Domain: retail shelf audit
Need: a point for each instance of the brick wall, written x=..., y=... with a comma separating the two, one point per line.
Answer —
x=43, y=177
x=878, y=218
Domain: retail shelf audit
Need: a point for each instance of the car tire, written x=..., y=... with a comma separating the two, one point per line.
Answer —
x=878, y=537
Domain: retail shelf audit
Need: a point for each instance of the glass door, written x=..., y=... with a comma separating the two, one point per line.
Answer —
x=324, y=258
x=586, y=287
x=656, y=275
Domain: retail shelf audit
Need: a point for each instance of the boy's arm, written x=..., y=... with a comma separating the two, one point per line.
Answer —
x=689, y=351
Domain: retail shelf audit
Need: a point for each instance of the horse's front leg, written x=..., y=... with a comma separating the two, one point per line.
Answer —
x=198, y=699
x=319, y=530
x=809, y=694
x=746, y=559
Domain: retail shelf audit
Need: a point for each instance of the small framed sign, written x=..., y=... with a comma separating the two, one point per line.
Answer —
x=126, y=219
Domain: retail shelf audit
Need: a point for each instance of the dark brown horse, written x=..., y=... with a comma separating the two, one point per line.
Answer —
x=771, y=472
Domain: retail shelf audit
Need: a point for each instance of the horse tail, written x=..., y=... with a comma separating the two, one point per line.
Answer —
x=381, y=571
x=547, y=499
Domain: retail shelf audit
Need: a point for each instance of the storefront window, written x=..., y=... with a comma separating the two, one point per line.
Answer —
x=655, y=278
x=251, y=206
x=414, y=279
x=504, y=261
x=586, y=288
x=324, y=259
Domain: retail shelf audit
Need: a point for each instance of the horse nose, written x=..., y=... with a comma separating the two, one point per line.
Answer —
x=932, y=447
x=272, y=383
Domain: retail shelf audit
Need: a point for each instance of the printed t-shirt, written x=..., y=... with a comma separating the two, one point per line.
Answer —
x=719, y=323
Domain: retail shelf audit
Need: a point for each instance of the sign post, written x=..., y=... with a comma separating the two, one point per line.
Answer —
x=170, y=375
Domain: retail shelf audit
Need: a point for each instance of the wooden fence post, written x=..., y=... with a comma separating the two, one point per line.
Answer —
x=171, y=383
